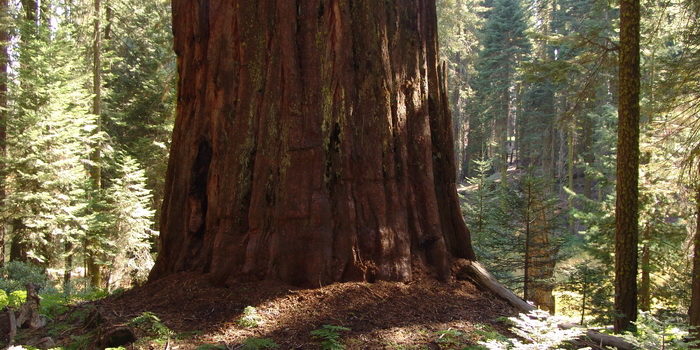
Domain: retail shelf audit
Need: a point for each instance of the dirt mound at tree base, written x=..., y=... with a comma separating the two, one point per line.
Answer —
x=381, y=315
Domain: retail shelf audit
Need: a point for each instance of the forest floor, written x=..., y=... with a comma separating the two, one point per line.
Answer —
x=419, y=315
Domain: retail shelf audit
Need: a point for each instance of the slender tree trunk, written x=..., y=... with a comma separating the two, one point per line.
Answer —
x=312, y=144
x=627, y=204
x=560, y=175
x=31, y=9
x=457, y=119
x=585, y=150
x=466, y=158
x=18, y=246
x=584, y=294
x=109, y=13
x=570, y=159
x=67, y=267
x=501, y=133
x=93, y=267
x=694, y=310
x=645, y=283
x=528, y=220
x=5, y=18
x=475, y=148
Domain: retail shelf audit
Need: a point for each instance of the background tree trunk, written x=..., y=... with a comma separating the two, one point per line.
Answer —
x=312, y=144
x=645, y=282
x=627, y=203
x=694, y=310
x=5, y=18
x=93, y=267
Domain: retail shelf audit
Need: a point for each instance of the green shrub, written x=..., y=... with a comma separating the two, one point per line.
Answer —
x=53, y=304
x=15, y=275
x=17, y=298
x=4, y=299
x=258, y=344
x=90, y=294
x=151, y=324
x=250, y=318
x=658, y=333
x=329, y=336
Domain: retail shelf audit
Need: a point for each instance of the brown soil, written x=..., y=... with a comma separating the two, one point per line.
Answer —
x=380, y=315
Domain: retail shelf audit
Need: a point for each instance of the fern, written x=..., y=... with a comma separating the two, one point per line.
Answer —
x=329, y=336
x=151, y=324
x=211, y=347
x=258, y=344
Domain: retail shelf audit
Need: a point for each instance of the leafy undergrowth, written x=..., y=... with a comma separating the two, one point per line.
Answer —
x=186, y=312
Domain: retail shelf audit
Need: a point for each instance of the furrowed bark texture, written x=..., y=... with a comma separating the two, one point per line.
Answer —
x=627, y=204
x=312, y=144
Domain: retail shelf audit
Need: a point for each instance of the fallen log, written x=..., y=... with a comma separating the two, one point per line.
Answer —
x=474, y=271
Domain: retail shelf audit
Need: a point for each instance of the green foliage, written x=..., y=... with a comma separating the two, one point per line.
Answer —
x=15, y=275
x=56, y=213
x=140, y=103
x=330, y=336
x=128, y=204
x=483, y=332
x=488, y=210
x=449, y=338
x=211, y=347
x=81, y=342
x=48, y=142
x=57, y=329
x=655, y=333
x=4, y=299
x=250, y=318
x=539, y=330
x=17, y=298
x=150, y=324
x=590, y=291
x=54, y=304
x=259, y=344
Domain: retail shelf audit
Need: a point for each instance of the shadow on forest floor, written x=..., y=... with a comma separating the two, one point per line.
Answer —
x=380, y=315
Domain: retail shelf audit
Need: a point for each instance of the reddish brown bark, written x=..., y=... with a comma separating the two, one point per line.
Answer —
x=694, y=310
x=627, y=201
x=312, y=144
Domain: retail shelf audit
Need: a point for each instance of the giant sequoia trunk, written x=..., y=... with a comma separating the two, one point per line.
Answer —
x=312, y=144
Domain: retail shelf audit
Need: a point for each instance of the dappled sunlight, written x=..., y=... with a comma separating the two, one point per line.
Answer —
x=399, y=313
